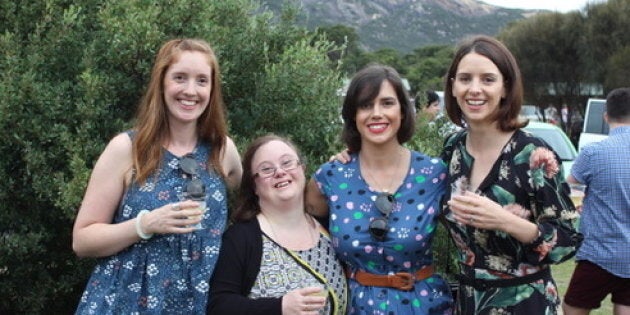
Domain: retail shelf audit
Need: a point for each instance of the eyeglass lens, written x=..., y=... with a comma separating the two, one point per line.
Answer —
x=378, y=227
x=270, y=170
x=195, y=189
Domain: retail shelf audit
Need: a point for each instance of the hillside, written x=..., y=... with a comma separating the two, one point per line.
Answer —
x=405, y=24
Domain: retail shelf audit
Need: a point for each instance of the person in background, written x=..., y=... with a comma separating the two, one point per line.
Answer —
x=383, y=204
x=135, y=216
x=276, y=258
x=603, y=260
x=431, y=108
x=511, y=216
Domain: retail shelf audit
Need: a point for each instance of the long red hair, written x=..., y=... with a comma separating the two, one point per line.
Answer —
x=152, y=126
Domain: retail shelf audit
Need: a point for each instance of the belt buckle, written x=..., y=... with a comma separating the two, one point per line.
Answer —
x=407, y=280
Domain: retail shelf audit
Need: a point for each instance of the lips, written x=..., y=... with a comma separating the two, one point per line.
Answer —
x=475, y=102
x=378, y=128
x=282, y=184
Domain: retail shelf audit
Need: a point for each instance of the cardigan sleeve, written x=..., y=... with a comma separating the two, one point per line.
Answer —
x=236, y=271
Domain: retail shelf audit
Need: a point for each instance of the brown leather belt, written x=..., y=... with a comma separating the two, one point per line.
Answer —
x=400, y=280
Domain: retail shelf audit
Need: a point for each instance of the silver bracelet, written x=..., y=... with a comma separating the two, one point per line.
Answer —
x=142, y=235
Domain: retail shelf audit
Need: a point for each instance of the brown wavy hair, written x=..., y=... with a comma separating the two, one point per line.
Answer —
x=510, y=106
x=248, y=206
x=152, y=126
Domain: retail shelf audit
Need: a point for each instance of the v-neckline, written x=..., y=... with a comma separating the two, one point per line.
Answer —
x=494, y=169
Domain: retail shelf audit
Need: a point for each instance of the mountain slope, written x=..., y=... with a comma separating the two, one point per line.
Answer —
x=405, y=24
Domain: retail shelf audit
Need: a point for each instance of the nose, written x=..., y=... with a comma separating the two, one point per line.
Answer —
x=475, y=86
x=189, y=89
x=377, y=111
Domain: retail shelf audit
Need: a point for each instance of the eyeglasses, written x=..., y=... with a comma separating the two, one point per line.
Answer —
x=269, y=170
x=195, y=189
x=378, y=227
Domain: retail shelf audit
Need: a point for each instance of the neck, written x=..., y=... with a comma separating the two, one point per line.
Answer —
x=381, y=156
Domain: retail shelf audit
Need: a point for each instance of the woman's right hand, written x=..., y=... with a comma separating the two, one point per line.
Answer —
x=175, y=218
x=303, y=301
x=343, y=157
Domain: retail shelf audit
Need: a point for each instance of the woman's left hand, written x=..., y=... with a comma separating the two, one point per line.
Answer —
x=478, y=211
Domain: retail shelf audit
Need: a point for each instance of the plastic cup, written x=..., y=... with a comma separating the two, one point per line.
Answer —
x=577, y=194
x=202, y=207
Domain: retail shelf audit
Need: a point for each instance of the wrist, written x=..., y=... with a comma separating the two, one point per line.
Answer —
x=142, y=234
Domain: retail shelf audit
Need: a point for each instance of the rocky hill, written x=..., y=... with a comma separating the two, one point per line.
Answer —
x=405, y=24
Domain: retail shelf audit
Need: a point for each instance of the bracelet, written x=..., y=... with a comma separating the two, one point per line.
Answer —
x=142, y=235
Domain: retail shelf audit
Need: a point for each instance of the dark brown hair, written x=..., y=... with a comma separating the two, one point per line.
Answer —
x=510, y=106
x=364, y=88
x=248, y=206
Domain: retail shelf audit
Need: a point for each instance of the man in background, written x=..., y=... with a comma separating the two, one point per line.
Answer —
x=603, y=260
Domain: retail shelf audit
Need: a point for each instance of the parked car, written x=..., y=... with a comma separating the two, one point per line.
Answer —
x=595, y=128
x=531, y=112
x=557, y=139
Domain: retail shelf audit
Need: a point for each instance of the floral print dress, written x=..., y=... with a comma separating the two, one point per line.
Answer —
x=407, y=244
x=169, y=273
x=526, y=181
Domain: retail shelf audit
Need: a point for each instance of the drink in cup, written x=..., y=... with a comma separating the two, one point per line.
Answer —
x=577, y=194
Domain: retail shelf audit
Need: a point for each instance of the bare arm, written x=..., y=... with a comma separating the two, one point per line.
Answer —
x=231, y=162
x=315, y=201
x=94, y=235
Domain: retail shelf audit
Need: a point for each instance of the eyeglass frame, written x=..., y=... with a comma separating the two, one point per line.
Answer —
x=384, y=202
x=274, y=168
x=195, y=189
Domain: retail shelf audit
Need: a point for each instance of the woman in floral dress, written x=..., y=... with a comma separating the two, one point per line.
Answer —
x=136, y=216
x=510, y=214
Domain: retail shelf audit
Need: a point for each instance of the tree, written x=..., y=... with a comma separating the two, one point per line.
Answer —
x=71, y=75
x=548, y=48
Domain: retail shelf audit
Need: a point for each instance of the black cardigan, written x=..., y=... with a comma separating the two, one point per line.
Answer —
x=234, y=276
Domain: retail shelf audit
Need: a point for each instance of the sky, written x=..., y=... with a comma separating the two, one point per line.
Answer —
x=562, y=6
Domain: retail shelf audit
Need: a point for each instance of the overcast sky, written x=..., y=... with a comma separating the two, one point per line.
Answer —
x=554, y=5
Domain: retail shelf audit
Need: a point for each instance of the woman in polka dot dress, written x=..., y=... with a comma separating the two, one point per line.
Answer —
x=384, y=203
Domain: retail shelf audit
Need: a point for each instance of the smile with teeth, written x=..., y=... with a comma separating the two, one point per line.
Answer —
x=188, y=103
x=282, y=184
x=475, y=102
x=377, y=127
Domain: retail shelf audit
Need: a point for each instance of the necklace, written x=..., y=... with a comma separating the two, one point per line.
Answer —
x=312, y=238
x=391, y=181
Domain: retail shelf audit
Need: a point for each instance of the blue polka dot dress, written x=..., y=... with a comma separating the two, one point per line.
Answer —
x=167, y=274
x=407, y=244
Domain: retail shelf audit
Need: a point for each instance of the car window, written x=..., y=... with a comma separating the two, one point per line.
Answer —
x=594, y=118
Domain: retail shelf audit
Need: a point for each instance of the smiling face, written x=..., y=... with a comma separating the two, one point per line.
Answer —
x=478, y=87
x=278, y=174
x=187, y=86
x=379, y=120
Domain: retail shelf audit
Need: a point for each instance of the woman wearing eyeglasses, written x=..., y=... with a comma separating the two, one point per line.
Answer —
x=384, y=203
x=136, y=216
x=276, y=259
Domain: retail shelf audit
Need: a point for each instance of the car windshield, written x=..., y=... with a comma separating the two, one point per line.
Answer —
x=556, y=141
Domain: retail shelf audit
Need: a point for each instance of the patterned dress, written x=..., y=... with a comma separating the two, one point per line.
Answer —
x=283, y=270
x=169, y=273
x=407, y=246
x=527, y=181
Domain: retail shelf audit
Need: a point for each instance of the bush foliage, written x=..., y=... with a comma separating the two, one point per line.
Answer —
x=71, y=75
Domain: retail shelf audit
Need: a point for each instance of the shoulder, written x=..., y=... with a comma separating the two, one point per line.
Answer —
x=231, y=163
x=119, y=149
x=421, y=159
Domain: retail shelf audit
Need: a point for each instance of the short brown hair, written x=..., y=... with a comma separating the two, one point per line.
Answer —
x=364, y=88
x=510, y=106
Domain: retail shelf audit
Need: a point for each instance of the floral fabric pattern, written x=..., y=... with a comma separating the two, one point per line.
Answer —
x=167, y=274
x=527, y=181
x=407, y=244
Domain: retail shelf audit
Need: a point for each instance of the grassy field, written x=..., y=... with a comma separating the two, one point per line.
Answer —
x=562, y=274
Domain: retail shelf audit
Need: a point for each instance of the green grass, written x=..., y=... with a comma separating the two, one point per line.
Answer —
x=562, y=274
